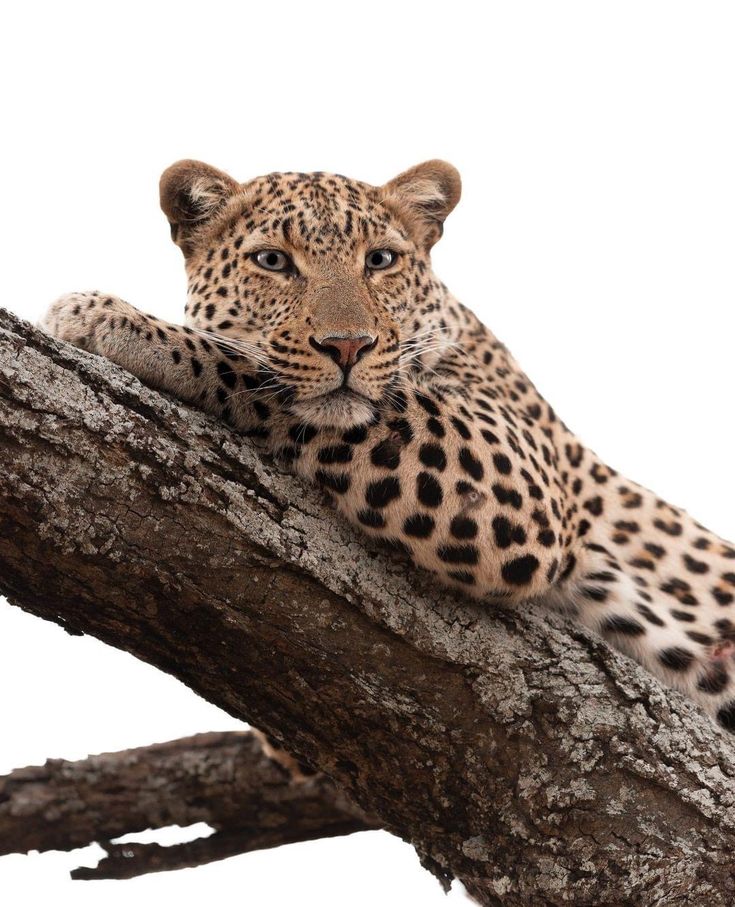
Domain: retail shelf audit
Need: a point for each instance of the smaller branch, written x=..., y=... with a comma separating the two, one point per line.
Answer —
x=222, y=779
x=125, y=861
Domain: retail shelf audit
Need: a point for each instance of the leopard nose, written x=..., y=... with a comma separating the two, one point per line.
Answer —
x=345, y=351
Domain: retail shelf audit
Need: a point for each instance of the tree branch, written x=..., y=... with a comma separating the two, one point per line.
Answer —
x=516, y=753
x=222, y=779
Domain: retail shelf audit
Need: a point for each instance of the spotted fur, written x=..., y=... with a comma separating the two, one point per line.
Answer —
x=376, y=384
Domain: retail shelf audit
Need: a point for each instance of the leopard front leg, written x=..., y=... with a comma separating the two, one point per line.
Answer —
x=429, y=476
x=169, y=357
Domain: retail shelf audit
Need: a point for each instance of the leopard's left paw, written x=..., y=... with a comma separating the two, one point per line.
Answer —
x=73, y=318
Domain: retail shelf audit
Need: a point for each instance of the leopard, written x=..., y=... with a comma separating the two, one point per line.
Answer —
x=315, y=326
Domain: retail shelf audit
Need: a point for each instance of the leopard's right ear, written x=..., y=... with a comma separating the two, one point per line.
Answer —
x=191, y=195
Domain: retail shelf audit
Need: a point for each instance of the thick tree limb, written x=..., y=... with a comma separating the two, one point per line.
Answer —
x=222, y=779
x=515, y=753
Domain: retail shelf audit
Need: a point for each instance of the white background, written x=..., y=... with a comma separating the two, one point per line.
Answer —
x=596, y=238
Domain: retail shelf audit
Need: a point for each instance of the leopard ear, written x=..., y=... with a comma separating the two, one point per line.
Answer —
x=191, y=194
x=425, y=195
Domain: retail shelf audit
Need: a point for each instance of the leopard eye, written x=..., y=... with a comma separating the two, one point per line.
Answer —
x=272, y=260
x=380, y=259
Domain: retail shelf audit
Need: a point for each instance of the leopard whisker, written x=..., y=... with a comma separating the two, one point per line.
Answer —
x=246, y=348
x=271, y=382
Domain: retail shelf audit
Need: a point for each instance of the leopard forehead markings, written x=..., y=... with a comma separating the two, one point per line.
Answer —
x=381, y=387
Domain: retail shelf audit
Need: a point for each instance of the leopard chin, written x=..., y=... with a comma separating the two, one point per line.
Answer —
x=341, y=409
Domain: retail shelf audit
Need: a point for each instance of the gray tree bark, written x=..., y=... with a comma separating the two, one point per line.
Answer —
x=515, y=752
x=223, y=779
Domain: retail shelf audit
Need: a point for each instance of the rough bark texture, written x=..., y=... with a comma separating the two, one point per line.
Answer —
x=222, y=779
x=515, y=752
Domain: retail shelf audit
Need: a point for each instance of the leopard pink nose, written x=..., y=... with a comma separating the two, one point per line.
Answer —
x=345, y=351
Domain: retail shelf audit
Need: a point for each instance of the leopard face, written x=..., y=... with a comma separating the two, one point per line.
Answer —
x=323, y=282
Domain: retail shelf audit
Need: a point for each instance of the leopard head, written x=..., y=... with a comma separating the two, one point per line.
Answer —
x=322, y=282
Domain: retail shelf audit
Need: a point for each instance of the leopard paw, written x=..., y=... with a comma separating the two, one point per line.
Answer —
x=74, y=317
